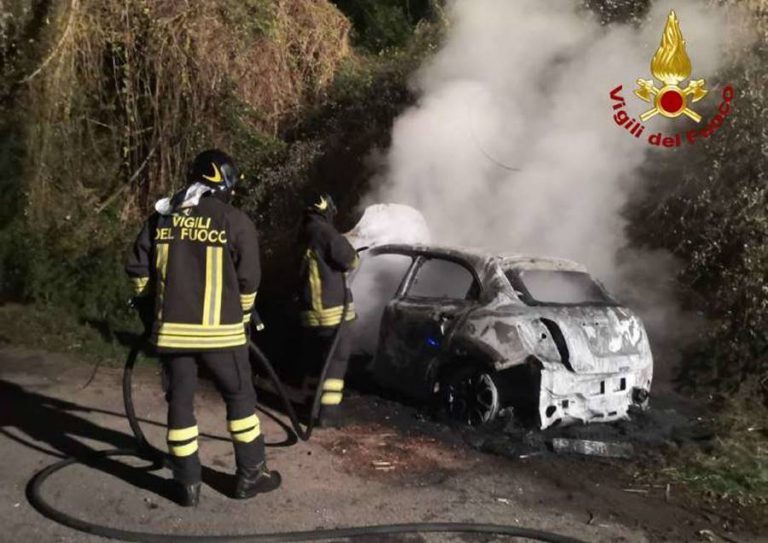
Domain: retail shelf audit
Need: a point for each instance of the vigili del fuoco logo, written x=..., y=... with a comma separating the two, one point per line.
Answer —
x=671, y=66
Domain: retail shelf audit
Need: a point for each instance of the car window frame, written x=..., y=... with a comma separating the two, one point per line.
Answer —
x=518, y=285
x=419, y=261
x=406, y=276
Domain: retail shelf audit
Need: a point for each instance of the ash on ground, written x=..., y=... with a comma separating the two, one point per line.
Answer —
x=671, y=422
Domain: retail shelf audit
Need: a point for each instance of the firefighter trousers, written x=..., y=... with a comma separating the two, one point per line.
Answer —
x=316, y=343
x=231, y=372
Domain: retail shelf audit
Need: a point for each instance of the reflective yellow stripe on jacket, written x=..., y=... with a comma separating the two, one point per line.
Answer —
x=319, y=315
x=327, y=317
x=202, y=336
x=214, y=282
x=210, y=333
x=247, y=301
x=161, y=268
x=139, y=285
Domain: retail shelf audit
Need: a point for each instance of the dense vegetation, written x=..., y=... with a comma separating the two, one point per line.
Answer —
x=708, y=205
x=103, y=102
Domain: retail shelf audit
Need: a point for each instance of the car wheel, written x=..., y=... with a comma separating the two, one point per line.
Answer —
x=472, y=397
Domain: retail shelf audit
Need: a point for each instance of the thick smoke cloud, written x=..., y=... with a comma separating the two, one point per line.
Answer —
x=512, y=145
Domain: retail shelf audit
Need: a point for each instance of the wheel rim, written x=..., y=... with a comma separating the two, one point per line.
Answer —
x=474, y=399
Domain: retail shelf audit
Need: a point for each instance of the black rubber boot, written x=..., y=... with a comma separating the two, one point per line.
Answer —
x=331, y=417
x=187, y=495
x=251, y=482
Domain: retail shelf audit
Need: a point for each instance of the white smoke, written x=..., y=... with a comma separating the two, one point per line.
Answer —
x=524, y=85
x=376, y=281
x=512, y=145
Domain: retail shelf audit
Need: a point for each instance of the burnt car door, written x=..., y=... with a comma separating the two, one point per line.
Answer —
x=418, y=322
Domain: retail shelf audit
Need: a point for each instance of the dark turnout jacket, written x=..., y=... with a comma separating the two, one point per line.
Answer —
x=201, y=267
x=327, y=255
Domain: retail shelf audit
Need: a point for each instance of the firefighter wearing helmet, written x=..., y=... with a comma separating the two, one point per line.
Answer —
x=195, y=269
x=326, y=256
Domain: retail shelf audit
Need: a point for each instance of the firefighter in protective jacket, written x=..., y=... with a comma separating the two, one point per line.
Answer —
x=326, y=257
x=195, y=268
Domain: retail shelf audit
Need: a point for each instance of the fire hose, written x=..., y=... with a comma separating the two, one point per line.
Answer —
x=145, y=450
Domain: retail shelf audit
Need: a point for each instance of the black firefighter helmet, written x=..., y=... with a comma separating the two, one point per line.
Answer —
x=215, y=169
x=322, y=203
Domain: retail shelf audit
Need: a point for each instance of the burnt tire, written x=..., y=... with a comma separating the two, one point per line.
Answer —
x=471, y=396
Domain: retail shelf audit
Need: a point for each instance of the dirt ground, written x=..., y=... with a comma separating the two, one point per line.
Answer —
x=393, y=464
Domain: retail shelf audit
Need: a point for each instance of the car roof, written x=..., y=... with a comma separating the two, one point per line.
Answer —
x=524, y=262
x=479, y=257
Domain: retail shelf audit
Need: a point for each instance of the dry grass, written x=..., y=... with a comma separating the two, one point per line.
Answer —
x=131, y=79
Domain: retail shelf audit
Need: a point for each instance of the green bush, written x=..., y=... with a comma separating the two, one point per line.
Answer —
x=45, y=268
x=384, y=24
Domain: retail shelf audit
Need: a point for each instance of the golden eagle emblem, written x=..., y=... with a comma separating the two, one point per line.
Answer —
x=671, y=65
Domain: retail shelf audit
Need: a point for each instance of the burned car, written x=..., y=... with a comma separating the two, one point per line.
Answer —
x=481, y=333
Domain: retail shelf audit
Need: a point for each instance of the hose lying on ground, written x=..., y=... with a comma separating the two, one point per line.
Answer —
x=147, y=451
x=304, y=434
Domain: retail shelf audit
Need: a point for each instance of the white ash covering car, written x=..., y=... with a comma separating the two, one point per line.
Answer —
x=483, y=332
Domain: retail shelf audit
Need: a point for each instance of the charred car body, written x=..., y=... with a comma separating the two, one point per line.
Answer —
x=483, y=332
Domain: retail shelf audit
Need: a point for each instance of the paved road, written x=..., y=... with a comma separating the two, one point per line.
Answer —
x=334, y=481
